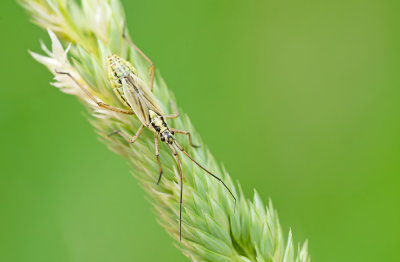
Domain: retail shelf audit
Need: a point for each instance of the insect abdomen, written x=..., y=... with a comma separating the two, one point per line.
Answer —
x=118, y=93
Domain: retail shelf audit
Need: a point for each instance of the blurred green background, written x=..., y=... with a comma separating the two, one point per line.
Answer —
x=299, y=99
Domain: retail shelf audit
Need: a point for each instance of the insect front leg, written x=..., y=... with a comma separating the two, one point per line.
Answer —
x=158, y=156
x=124, y=136
x=94, y=99
x=151, y=72
x=185, y=133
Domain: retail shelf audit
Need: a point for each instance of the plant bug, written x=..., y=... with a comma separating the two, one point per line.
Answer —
x=138, y=97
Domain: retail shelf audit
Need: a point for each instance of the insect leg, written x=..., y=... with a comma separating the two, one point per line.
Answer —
x=216, y=177
x=151, y=72
x=181, y=176
x=158, y=157
x=175, y=114
x=124, y=136
x=185, y=133
x=94, y=99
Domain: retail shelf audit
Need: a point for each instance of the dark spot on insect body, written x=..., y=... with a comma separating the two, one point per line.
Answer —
x=172, y=132
x=164, y=124
x=157, y=128
x=162, y=138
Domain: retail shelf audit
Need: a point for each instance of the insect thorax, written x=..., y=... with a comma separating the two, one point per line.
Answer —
x=160, y=126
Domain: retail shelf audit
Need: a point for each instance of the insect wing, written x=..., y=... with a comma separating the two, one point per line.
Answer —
x=140, y=99
x=148, y=96
x=134, y=103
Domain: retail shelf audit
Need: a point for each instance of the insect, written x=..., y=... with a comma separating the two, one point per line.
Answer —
x=137, y=96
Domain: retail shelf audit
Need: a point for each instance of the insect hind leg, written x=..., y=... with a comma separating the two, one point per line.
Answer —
x=130, y=42
x=93, y=98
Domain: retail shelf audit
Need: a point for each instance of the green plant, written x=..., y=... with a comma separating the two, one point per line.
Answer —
x=212, y=231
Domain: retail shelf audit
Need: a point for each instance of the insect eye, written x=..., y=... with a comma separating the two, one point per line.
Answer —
x=172, y=132
x=163, y=139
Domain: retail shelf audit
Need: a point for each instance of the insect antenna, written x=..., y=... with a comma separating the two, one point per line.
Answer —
x=181, y=177
x=216, y=177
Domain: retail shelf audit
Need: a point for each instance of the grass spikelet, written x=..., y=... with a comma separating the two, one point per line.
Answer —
x=211, y=230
